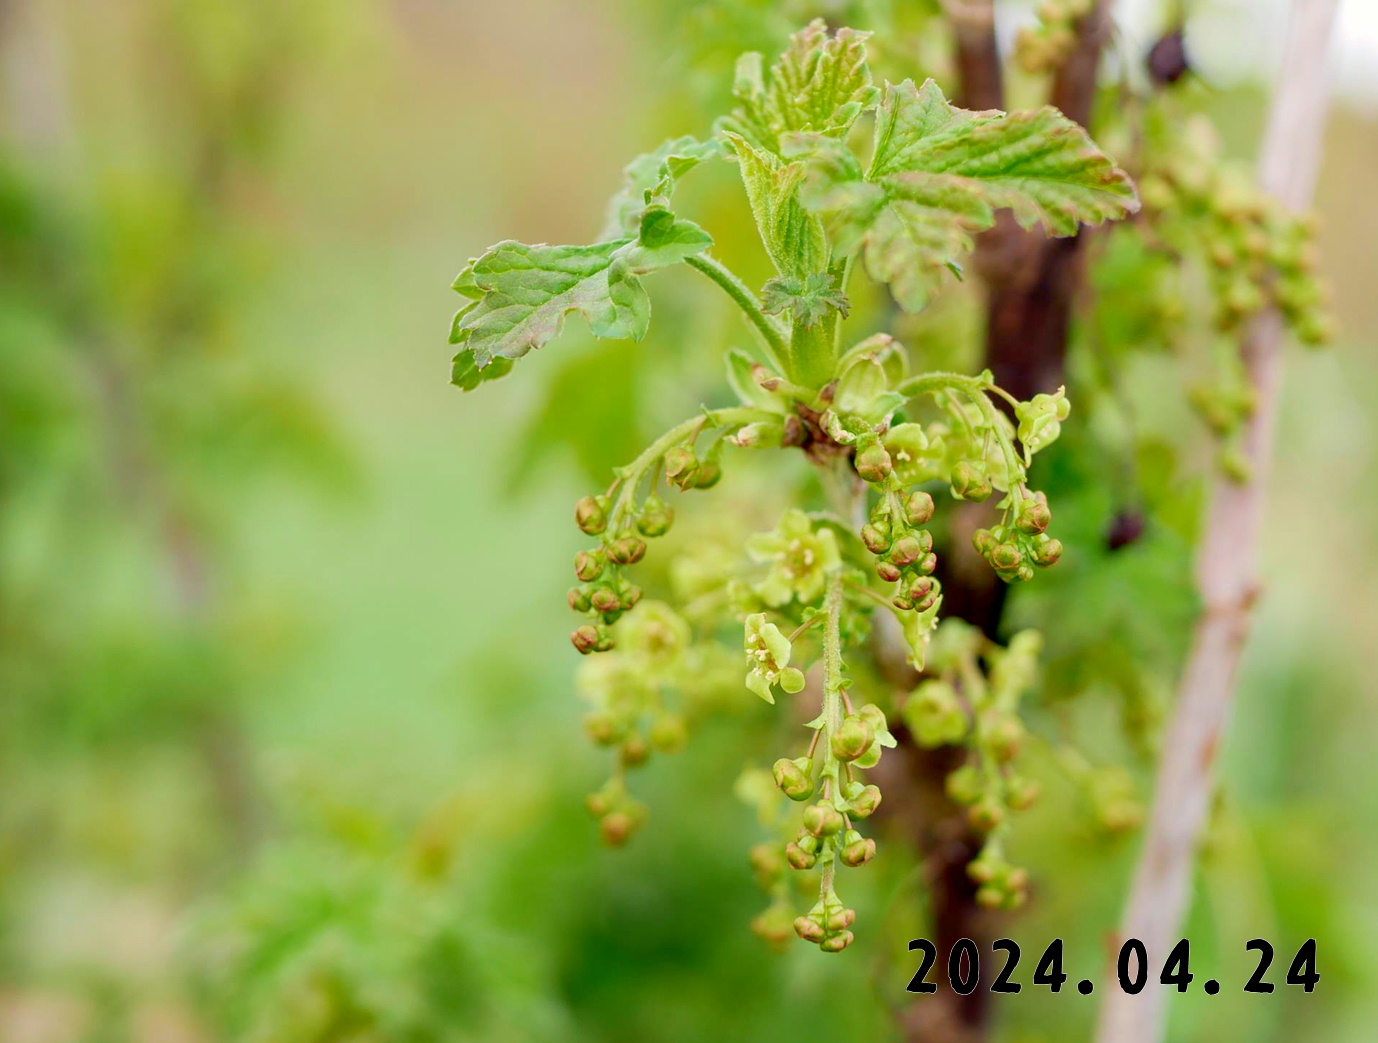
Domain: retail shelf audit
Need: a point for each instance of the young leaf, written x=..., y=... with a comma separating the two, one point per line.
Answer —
x=519, y=294
x=821, y=84
x=650, y=180
x=793, y=235
x=809, y=300
x=938, y=174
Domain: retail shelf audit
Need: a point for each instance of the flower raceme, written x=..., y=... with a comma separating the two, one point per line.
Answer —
x=886, y=444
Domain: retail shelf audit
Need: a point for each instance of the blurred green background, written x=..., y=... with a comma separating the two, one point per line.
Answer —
x=289, y=747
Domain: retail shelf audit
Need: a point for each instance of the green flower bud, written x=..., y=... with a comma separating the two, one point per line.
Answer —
x=852, y=738
x=591, y=514
x=985, y=815
x=798, y=858
x=669, y=733
x=1034, y=517
x=888, y=572
x=927, y=564
x=1006, y=557
x=969, y=483
x=870, y=758
x=838, y=918
x=907, y=550
x=984, y=541
x=635, y=752
x=873, y=463
x=874, y=716
x=767, y=861
x=1005, y=737
x=990, y=897
x=822, y=819
x=864, y=803
x=836, y=942
x=857, y=850
x=589, y=565
x=964, y=784
x=604, y=727
x=617, y=827
x=586, y=639
x=809, y=930
x=919, y=508
x=681, y=466
x=708, y=475
x=773, y=925
x=627, y=551
x=578, y=599
x=599, y=803
x=1021, y=793
x=876, y=542
x=604, y=600
x=1047, y=552
x=631, y=596
x=656, y=517
x=792, y=777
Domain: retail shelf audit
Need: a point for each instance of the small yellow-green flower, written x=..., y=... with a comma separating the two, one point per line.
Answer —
x=768, y=652
x=800, y=559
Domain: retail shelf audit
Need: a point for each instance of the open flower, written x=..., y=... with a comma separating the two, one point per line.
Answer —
x=800, y=559
x=768, y=652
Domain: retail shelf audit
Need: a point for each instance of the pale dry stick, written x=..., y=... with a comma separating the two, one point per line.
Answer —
x=1226, y=568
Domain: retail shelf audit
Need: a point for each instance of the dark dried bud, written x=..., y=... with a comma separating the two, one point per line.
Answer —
x=591, y=514
x=627, y=551
x=1167, y=60
x=1126, y=528
x=588, y=565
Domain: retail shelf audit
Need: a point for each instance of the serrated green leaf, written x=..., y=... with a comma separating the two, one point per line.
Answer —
x=792, y=234
x=466, y=375
x=938, y=174
x=821, y=84
x=650, y=180
x=809, y=300
x=526, y=291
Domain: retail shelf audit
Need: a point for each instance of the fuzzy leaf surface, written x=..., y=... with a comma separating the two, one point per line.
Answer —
x=519, y=294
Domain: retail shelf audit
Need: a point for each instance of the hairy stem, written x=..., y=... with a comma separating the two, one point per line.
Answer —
x=1226, y=567
x=771, y=335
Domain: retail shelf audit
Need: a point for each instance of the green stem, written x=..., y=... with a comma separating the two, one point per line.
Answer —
x=631, y=475
x=813, y=352
x=741, y=294
x=975, y=389
x=832, y=707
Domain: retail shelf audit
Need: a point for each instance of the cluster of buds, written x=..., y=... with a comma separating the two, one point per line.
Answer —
x=631, y=715
x=895, y=531
x=999, y=885
x=827, y=833
x=619, y=814
x=978, y=709
x=1257, y=253
x=1045, y=45
x=1015, y=547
